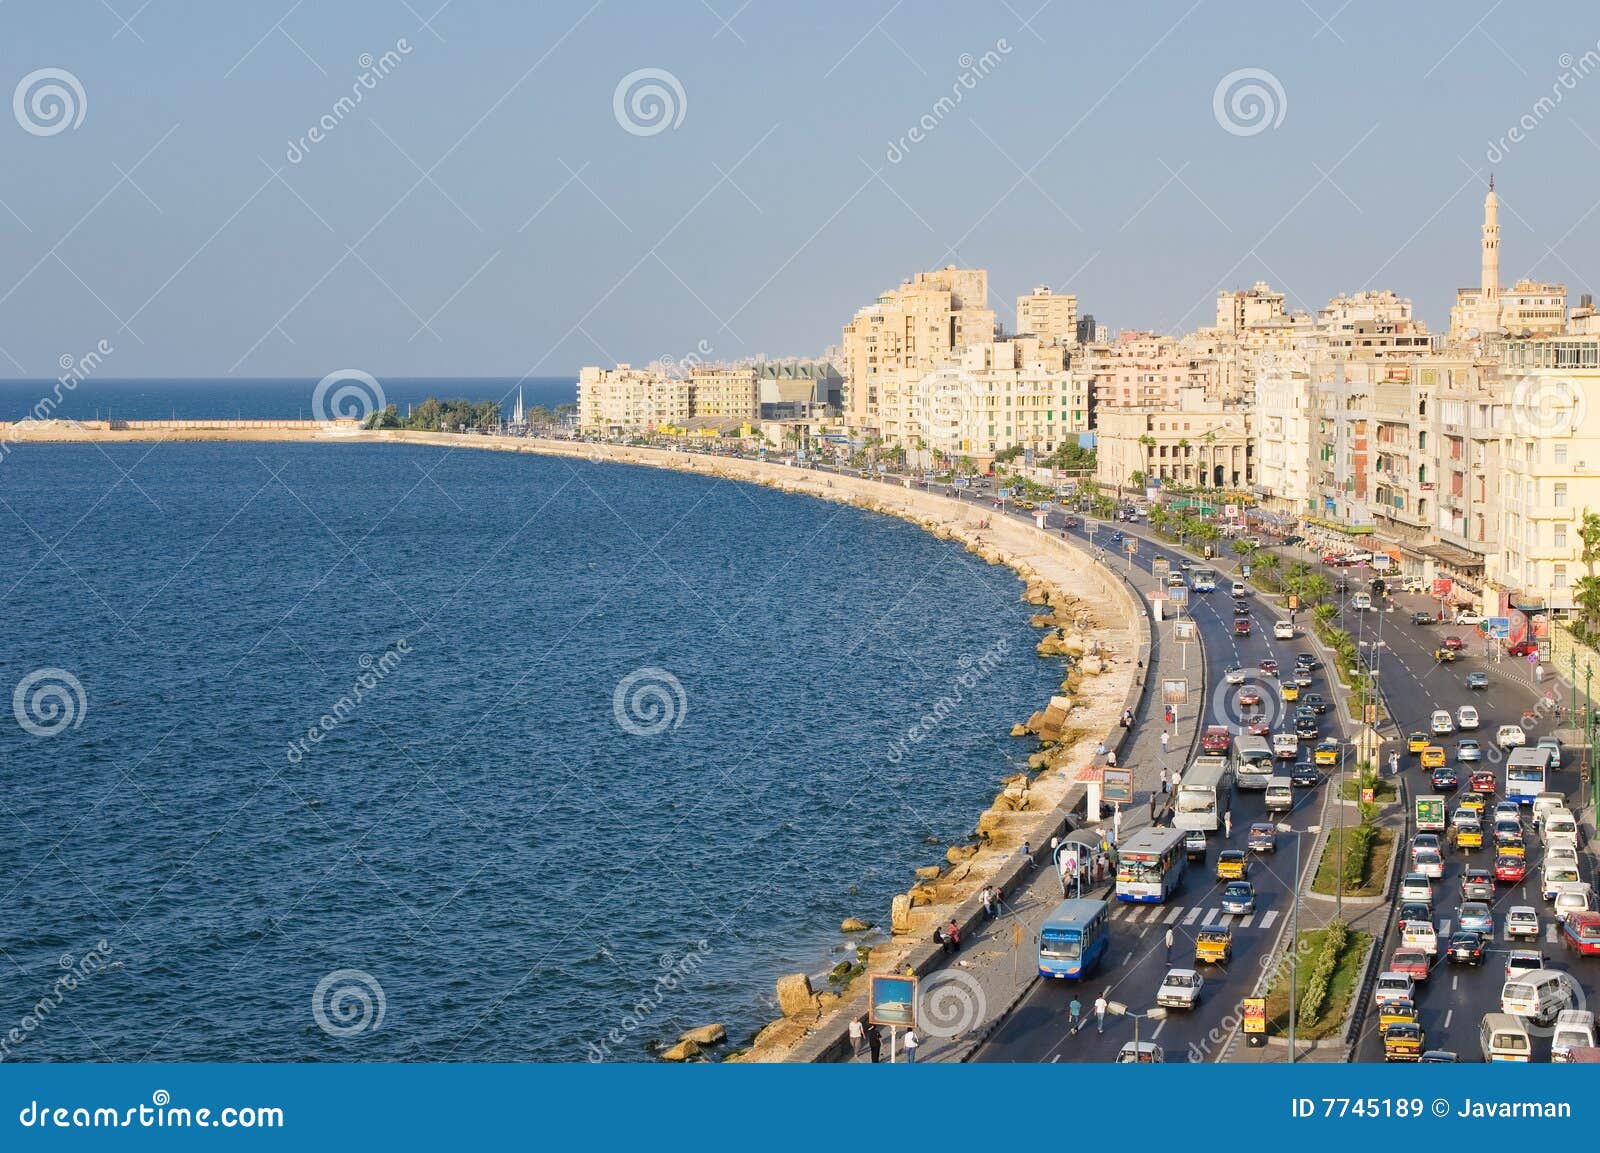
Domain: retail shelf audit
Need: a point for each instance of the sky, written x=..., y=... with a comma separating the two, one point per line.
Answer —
x=498, y=203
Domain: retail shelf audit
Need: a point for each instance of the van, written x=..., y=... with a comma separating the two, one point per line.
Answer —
x=1504, y=1038
x=1552, y=875
x=1571, y=897
x=1280, y=795
x=1558, y=823
x=1361, y=602
x=1238, y=589
x=1544, y=803
x=1539, y=995
x=1285, y=746
x=1574, y=1029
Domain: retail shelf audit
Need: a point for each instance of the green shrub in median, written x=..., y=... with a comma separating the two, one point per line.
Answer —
x=1322, y=967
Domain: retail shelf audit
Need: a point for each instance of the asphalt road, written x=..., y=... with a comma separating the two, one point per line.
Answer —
x=1036, y=1031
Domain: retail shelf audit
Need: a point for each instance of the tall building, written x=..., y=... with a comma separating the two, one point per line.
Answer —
x=626, y=399
x=1086, y=329
x=1052, y=318
x=903, y=336
x=1528, y=308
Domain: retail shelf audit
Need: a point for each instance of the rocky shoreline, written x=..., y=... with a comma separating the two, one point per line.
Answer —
x=1091, y=623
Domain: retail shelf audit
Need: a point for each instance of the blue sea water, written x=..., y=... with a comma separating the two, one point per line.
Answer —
x=482, y=853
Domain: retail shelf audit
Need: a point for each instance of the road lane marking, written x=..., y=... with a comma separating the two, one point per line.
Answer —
x=1175, y=914
x=1194, y=915
x=1245, y=924
x=1550, y=933
x=1266, y=921
x=1454, y=981
x=1128, y=958
x=1449, y=1013
x=1157, y=1031
x=1211, y=915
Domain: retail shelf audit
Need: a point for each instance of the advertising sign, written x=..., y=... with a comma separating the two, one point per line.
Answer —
x=1161, y=568
x=1230, y=511
x=1255, y=1014
x=1117, y=786
x=892, y=1001
x=1183, y=631
x=1130, y=545
x=1499, y=627
x=1174, y=692
x=1179, y=595
x=1442, y=586
x=1381, y=562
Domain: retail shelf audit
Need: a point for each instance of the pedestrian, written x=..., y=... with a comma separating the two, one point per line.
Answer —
x=857, y=1036
x=1055, y=843
x=1394, y=764
x=1075, y=1011
x=1227, y=823
x=1166, y=739
x=911, y=1046
x=1111, y=758
x=1026, y=852
x=1100, y=1013
x=1169, y=945
x=952, y=936
x=1154, y=797
x=989, y=902
x=1163, y=780
x=1100, y=748
x=875, y=1042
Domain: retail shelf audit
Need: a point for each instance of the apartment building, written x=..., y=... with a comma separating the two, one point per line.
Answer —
x=1198, y=441
x=1052, y=317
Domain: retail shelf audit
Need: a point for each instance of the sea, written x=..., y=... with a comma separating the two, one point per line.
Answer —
x=398, y=753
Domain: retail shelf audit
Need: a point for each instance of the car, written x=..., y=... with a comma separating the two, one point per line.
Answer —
x=1240, y=589
x=1477, y=885
x=1441, y=722
x=1327, y=751
x=1116, y=535
x=1290, y=691
x=1421, y=618
x=1445, y=656
x=1282, y=631
x=1521, y=648
x=1475, y=917
x=1522, y=921
x=1414, y=911
x=1521, y=962
x=1465, y=948
x=1412, y=962
x=1510, y=737
x=1213, y=945
x=1232, y=865
x=1239, y=897
x=1472, y=802
x=1259, y=726
x=1444, y=779
x=1316, y=702
x=1399, y=1011
x=1285, y=745
x=1304, y=775
x=1453, y=643
x=1302, y=679
x=1269, y=667
x=1510, y=845
x=1194, y=844
x=1249, y=698
x=1508, y=810
x=1216, y=739
x=1416, y=742
x=1466, y=717
x=1392, y=986
x=1511, y=870
x=1307, y=661
x=1306, y=727
x=1240, y=609
x=1403, y=1041
x=1477, y=681
x=1332, y=558
x=1425, y=841
x=1438, y=1057
x=1433, y=757
x=1262, y=838
x=1468, y=750
x=1419, y=933
x=1428, y=862
x=1414, y=887
x=1552, y=746
x=1180, y=989
x=1482, y=781
x=1241, y=627
x=1469, y=618
x=1233, y=674
x=1468, y=831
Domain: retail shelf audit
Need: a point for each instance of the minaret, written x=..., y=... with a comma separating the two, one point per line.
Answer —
x=1491, y=244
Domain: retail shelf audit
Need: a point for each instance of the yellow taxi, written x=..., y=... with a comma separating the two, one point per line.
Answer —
x=1213, y=945
x=1469, y=835
x=1401, y=1011
x=1232, y=865
x=1327, y=753
x=1402, y=1041
x=1472, y=802
x=1510, y=846
x=1417, y=742
x=1291, y=691
x=1433, y=757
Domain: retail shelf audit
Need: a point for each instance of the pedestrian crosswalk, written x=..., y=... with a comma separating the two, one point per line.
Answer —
x=1189, y=916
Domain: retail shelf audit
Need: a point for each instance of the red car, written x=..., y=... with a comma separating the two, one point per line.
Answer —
x=1454, y=643
x=1412, y=962
x=1331, y=558
x=1510, y=870
x=1269, y=667
x=1249, y=698
x=1241, y=627
x=1522, y=648
x=1216, y=739
x=1259, y=727
x=1482, y=781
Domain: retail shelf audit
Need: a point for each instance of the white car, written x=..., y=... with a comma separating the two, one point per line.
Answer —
x=1440, y=722
x=1282, y=631
x=1510, y=737
x=1429, y=863
x=1522, y=921
x=1416, y=887
x=1392, y=986
x=1361, y=602
x=1239, y=589
x=1180, y=989
x=1469, y=618
x=1233, y=675
x=1466, y=717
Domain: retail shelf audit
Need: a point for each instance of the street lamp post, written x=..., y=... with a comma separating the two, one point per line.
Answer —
x=1294, y=934
x=1157, y=1013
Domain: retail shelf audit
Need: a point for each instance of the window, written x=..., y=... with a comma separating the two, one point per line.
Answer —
x=1561, y=536
x=1558, y=576
x=1561, y=452
x=1561, y=494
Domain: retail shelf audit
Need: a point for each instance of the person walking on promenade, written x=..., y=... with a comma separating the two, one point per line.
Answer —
x=1227, y=824
x=1166, y=738
x=1154, y=799
x=911, y=1046
x=875, y=1042
x=1075, y=1011
x=989, y=902
x=1169, y=945
x=1100, y=1013
x=857, y=1035
x=1163, y=779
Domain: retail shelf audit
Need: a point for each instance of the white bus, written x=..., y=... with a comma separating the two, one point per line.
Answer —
x=1203, y=794
x=1203, y=580
x=1150, y=865
x=1526, y=770
x=1252, y=761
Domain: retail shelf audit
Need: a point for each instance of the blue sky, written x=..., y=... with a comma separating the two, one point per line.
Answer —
x=484, y=210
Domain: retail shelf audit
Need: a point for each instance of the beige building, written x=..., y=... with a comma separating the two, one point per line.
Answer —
x=1141, y=370
x=626, y=399
x=1528, y=308
x=907, y=333
x=1200, y=441
x=1052, y=318
x=723, y=394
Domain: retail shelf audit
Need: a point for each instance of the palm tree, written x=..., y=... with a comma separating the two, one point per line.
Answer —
x=1268, y=562
x=1316, y=587
x=1589, y=534
x=1586, y=595
x=1325, y=613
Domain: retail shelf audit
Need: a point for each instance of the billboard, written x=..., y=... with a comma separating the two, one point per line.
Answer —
x=1174, y=691
x=1117, y=786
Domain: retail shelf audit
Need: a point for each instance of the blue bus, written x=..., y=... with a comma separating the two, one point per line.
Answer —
x=1074, y=938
